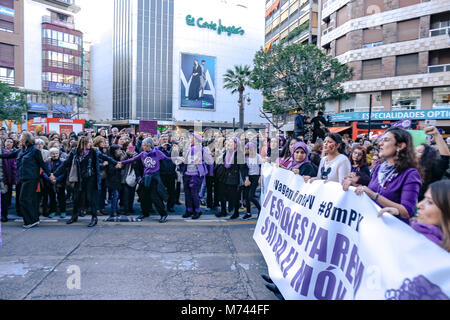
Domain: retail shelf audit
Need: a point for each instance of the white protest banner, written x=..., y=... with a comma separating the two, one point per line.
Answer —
x=320, y=242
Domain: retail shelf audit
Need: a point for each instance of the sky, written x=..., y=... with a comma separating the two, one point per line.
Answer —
x=89, y=19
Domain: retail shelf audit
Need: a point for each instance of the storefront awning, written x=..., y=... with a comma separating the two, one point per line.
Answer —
x=338, y=129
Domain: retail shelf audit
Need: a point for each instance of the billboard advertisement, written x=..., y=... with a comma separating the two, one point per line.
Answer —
x=197, y=76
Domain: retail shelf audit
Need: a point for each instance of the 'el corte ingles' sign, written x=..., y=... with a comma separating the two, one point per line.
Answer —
x=219, y=27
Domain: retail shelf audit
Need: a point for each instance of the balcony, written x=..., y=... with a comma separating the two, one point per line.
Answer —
x=61, y=44
x=60, y=64
x=439, y=68
x=7, y=80
x=440, y=31
x=48, y=19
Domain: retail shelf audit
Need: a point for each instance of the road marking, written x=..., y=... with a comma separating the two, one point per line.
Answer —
x=168, y=223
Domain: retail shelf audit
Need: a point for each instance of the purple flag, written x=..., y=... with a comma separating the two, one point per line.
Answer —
x=404, y=124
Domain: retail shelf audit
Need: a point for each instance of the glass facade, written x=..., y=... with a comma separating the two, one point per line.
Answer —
x=122, y=57
x=441, y=97
x=153, y=56
x=406, y=99
x=154, y=60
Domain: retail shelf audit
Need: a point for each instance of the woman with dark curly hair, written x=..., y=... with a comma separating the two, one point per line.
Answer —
x=396, y=182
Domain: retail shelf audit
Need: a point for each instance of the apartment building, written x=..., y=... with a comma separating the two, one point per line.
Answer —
x=400, y=54
x=292, y=21
x=41, y=51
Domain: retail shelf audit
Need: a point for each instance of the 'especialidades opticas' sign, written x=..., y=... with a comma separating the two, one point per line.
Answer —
x=219, y=27
x=394, y=115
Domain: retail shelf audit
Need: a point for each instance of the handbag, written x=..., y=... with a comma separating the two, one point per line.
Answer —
x=131, y=178
x=73, y=174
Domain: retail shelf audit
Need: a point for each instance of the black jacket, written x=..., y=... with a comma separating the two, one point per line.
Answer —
x=167, y=167
x=235, y=175
x=29, y=162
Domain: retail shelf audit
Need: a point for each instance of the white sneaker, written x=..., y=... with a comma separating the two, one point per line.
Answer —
x=31, y=225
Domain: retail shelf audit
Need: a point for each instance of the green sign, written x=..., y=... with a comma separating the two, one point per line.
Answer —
x=219, y=27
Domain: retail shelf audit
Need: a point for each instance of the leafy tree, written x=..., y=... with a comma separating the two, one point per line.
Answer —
x=89, y=124
x=13, y=103
x=297, y=76
x=237, y=80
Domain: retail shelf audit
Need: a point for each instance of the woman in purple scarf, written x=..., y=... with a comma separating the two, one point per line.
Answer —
x=396, y=182
x=300, y=163
x=194, y=170
x=234, y=172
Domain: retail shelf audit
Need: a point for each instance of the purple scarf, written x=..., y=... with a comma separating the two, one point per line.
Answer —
x=433, y=233
x=294, y=164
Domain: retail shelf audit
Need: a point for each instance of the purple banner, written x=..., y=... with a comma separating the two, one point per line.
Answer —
x=64, y=87
x=404, y=124
x=148, y=126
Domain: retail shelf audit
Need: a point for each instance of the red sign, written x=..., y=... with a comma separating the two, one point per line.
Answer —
x=64, y=128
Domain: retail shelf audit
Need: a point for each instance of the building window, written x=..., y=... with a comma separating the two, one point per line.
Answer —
x=7, y=75
x=408, y=30
x=406, y=99
x=371, y=69
x=373, y=36
x=406, y=3
x=407, y=64
x=342, y=16
x=361, y=102
x=341, y=45
x=441, y=97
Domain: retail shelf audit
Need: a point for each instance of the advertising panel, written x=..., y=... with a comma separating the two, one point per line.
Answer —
x=197, y=76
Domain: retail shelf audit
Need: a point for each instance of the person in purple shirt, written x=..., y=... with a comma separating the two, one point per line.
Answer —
x=194, y=169
x=396, y=182
x=153, y=186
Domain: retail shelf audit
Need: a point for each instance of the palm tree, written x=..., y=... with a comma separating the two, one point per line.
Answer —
x=237, y=80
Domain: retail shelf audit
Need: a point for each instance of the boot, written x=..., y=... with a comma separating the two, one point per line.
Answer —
x=93, y=223
x=187, y=214
x=235, y=215
x=73, y=219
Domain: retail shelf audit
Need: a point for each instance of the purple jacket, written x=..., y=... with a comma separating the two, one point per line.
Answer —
x=9, y=170
x=404, y=189
x=150, y=160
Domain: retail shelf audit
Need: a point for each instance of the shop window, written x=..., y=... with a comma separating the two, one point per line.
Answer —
x=406, y=99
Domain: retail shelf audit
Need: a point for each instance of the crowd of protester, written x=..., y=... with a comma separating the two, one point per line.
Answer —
x=411, y=183
x=104, y=173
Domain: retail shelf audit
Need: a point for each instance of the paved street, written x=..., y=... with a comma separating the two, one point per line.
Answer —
x=183, y=259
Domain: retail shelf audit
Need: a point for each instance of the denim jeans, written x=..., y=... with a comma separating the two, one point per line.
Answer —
x=115, y=200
